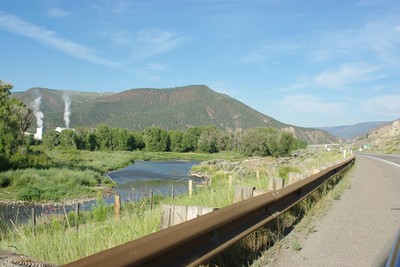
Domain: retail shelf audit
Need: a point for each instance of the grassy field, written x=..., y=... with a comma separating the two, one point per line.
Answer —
x=56, y=240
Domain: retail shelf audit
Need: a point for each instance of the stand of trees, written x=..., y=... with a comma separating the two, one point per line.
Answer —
x=251, y=142
x=15, y=118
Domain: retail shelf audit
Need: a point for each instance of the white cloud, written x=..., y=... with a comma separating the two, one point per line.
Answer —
x=149, y=42
x=346, y=75
x=58, y=13
x=384, y=40
x=120, y=37
x=386, y=105
x=113, y=6
x=304, y=103
x=378, y=40
x=155, y=66
x=265, y=50
x=19, y=26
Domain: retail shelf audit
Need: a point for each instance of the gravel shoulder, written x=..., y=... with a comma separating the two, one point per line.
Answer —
x=356, y=230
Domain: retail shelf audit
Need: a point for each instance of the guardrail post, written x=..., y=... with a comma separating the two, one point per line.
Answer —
x=293, y=177
x=275, y=184
x=243, y=192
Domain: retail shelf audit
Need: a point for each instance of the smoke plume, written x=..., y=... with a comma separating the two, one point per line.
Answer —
x=36, y=111
x=67, y=111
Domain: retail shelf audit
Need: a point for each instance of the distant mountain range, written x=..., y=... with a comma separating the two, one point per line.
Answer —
x=353, y=131
x=174, y=108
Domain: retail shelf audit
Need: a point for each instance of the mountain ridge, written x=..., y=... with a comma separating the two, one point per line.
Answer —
x=353, y=131
x=171, y=109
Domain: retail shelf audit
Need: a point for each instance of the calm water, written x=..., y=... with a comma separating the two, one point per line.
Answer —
x=144, y=177
x=134, y=182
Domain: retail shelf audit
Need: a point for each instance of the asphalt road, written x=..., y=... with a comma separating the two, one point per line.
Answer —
x=358, y=229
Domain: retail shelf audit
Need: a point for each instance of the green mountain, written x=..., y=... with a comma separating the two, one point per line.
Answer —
x=174, y=108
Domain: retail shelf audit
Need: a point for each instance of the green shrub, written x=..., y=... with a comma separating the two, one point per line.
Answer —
x=4, y=181
x=30, y=194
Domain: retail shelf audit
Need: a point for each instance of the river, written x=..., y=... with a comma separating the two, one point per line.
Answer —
x=133, y=183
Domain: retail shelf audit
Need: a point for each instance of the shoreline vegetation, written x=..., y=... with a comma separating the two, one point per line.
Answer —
x=100, y=229
x=74, y=176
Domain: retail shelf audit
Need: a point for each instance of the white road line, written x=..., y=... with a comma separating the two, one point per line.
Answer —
x=395, y=164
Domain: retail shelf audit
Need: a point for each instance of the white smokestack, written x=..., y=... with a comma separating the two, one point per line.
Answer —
x=36, y=111
x=67, y=111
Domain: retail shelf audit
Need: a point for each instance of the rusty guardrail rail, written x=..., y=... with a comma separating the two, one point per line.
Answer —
x=195, y=241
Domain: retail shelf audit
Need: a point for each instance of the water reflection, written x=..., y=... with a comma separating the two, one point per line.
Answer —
x=144, y=177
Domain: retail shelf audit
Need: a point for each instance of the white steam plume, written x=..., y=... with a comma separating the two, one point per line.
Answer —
x=36, y=111
x=67, y=111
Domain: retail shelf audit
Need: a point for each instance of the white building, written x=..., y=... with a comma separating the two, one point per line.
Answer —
x=39, y=133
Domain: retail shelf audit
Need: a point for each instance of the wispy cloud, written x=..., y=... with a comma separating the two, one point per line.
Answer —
x=113, y=6
x=19, y=26
x=305, y=103
x=386, y=105
x=58, y=13
x=150, y=42
x=265, y=50
x=147, y=42
x=153, y=66
x=347, y=74
x=377, y=40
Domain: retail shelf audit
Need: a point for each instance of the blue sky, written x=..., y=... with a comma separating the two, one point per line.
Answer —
x=303, y=62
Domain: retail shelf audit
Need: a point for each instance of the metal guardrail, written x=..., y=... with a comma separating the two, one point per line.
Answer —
x=195, y=241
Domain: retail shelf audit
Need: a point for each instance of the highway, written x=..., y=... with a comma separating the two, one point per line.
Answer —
x=358, y=229
x=388, y=158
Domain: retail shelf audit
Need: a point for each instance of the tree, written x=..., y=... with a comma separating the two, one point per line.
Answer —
x=51, y=139
x=23, y=117
x=156, y=139
x=104, y=137
x=208, y=139
x=68, y=139
x=176, y=144
x=191, y=138
x=15, y=118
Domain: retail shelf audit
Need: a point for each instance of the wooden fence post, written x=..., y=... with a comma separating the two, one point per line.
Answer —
x=190, y=187
x=117, y=205
x=34, y=220
x=151, y=199
x=230, y=181
x=77, y=208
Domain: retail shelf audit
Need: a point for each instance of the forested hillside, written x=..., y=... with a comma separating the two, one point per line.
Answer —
x=170, y=109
